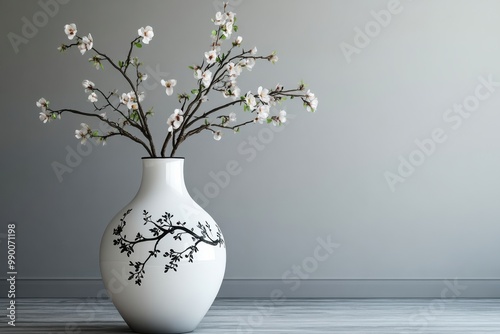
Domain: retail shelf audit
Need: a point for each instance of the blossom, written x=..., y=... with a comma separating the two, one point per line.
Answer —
x=220, y=19
x=84, y=133
x=234, y=70
x=146, y=34
x=93, y=97
x=88, y=85
x=237, y=41
x=281, y=118
x=130, y=100
x=206, y=78
x=250, y=101
x=45, y=117
x=42, y=103
x=263, y=94
x=198, y=74
x=236, y=92
x=124, y=98
x=169, y=84
x=86, y=44
x=217, y=135
x=70, y=30
x=103, y=115
x=143, y=76
x=175, y=120
x=273, y=59
x=211, y=56
x=250, y=63
x=253, y=51
x=232, y=117
x=262, y=113
x=311, y=101
x=227, y=30
x=230, y=16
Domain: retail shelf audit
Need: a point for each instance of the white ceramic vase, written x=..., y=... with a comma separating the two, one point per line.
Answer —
x=162, y=257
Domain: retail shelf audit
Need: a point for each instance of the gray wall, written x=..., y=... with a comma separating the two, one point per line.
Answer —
x=323, y=176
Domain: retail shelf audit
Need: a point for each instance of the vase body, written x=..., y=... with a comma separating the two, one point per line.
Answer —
x=162, y=257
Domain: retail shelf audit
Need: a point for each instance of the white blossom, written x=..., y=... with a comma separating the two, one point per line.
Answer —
x=198, y=74
x=70, y=30
x=206, y=78
x=169, y=84
x=124, y=98
x=220, y=19
x=88, y=85
x=311, y=101
x=131, y=101
x=45, y=117
x=236, y=92
x=262, y=113
x=211, y=56
x=146, y=34
x=238, y=41
x=217, y=135
x=228, y=29
x=263, y=94
x=86, y=44
x=42, y=103
x=230, y=17
x=232, y=117
x=253, y=51
x=175, y=120
x=84, y=133
x=250, y=101
x=273, y=59
x=93, y=97
x=281, y=118
x=141, y=96
x=250, y=63
x=103, y=115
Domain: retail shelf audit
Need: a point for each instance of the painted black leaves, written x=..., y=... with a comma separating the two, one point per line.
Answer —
x=161, y=228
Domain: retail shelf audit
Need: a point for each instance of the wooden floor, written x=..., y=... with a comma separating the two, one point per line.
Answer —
x=306, y=316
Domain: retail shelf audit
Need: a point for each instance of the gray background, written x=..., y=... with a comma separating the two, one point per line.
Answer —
x=323, y=175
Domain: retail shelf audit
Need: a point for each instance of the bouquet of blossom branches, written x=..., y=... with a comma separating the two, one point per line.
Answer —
x=125, y=114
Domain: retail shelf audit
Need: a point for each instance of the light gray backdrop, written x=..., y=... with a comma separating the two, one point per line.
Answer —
x=398, y=168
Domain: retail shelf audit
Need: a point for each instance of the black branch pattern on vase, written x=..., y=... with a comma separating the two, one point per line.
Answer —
x=160, y=229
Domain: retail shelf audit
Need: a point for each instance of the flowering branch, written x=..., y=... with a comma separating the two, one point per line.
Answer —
x=219, y=72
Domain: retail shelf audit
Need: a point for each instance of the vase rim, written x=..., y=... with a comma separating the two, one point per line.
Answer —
x=161, y=158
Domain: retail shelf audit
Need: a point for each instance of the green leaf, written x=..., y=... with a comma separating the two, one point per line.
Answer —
x=138, y=45
x=222, y=37
x=95, y=133
x=191, y=67
x=214, y=32
x=246, y=107
x=269, y=120
x=207, y=122
x=194, y=91
x=120, y=63
x=102, y=67
x=237, y=129
x=235, y=28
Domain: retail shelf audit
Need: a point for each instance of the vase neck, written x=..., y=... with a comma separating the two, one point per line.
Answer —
x=163, y=174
